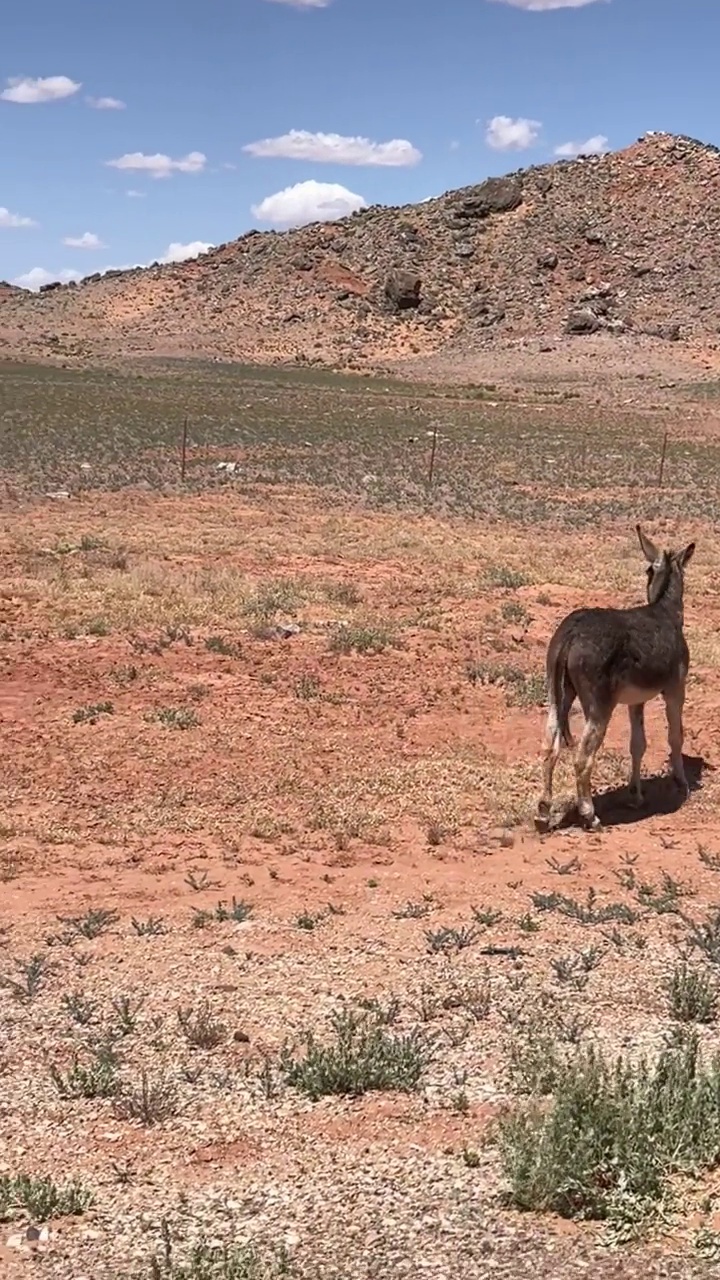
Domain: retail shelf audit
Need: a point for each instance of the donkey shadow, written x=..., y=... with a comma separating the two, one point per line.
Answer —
x=661, y=796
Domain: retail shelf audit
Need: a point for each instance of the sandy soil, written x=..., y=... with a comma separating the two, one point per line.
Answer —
x=165, y=749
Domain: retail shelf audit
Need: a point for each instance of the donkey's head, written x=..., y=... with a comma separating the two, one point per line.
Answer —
x=666, y=569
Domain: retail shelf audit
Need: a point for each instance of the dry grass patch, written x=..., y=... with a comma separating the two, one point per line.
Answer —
x=342, y=592
x=442, y=792
x=12, y=863
x=264, y=601
x=74, y=596
x=521, y=688
x=124, y=584
x=704, y=645
x=150, y=593
x=368, y=636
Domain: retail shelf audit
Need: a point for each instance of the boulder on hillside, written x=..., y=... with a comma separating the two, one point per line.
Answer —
x=408, y=233
x=582, y=320
x=669, y=332
x=547, y=261
x=485, y=311
x=596, y=291
x=495, y=195
x=403, y=289
x=594, y=302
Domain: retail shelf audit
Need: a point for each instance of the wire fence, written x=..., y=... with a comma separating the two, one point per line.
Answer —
x=64, y=433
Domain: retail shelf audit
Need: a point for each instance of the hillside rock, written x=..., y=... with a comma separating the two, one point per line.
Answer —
x=669, y=332
x=495, y=195
x=622, y=243
x=403, y=289
x=582, y=320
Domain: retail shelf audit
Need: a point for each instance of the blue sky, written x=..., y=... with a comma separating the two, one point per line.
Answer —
x=339, y=102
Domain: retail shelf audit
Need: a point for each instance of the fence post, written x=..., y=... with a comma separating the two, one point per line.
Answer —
x=662, y=458
x=183, y=452
x=433, y=447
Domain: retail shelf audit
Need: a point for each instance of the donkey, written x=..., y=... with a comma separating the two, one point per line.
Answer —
x=610, y=656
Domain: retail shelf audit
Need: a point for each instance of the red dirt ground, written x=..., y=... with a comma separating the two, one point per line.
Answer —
x=312, y=780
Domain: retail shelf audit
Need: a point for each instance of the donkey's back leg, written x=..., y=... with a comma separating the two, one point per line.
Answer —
x=551, y=754
x=597, y=719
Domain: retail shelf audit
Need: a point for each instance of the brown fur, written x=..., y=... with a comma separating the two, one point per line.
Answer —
x=608, y=656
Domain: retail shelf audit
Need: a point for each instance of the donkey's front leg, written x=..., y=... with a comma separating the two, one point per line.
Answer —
x=638, y=745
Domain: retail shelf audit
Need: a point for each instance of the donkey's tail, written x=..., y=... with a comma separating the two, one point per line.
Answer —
x=557, y=691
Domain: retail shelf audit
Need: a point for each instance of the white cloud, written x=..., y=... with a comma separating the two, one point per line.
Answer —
x=38, y=276
x=135, y=195
x=88, y=240
x=26, y=89
x=308, y=202
x=594, y=146
x=505, y=134
x=106, y=104
x=305, y=4
x=538, y=6
x=8, y=219
x=177, y=252
x=333, y=148
x=158, y=165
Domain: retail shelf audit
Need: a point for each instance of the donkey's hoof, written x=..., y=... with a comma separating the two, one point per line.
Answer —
x=542, y=817
x=591, y=822
x=635, y=800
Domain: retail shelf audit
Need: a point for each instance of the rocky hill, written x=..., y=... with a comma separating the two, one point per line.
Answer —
x=9, y=291
x=627, y=242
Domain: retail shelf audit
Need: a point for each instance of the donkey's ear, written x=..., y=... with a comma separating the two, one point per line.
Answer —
x=650, y=551
x=684, y=557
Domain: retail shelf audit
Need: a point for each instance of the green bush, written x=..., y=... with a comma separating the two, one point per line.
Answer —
x=613, y=1134
x=361, y=1056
